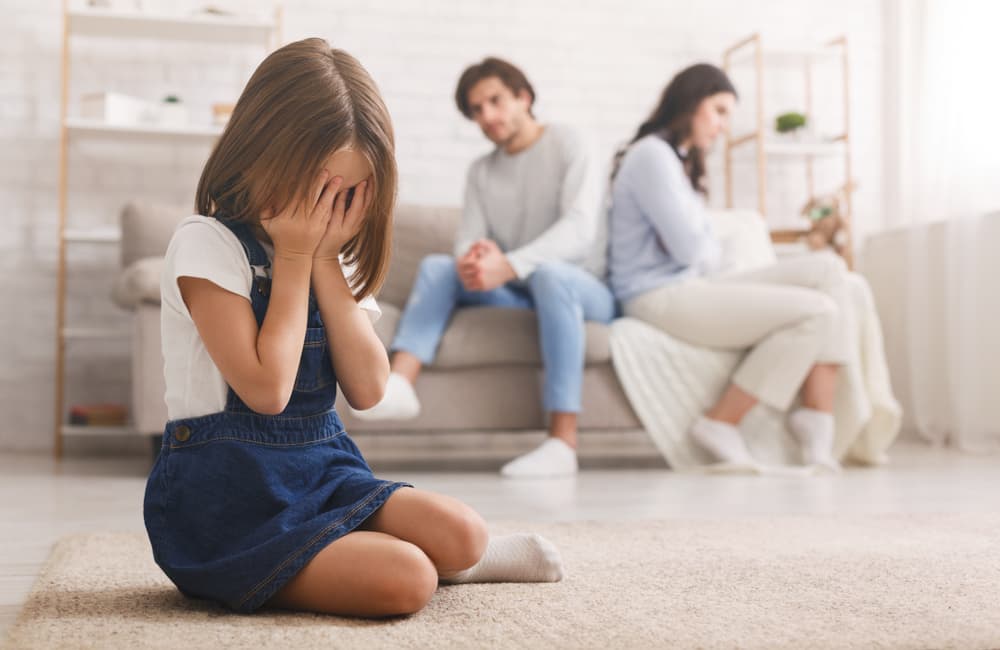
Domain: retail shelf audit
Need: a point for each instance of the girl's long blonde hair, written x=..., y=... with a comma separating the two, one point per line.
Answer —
x=304, y=102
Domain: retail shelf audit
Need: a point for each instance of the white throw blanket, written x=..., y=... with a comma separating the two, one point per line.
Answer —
x=669, y=382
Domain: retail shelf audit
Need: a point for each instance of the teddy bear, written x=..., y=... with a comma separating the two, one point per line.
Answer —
x=829, y=227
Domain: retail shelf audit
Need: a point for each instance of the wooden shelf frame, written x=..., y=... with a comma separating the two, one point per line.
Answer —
x=90, y=23
x=752, y=48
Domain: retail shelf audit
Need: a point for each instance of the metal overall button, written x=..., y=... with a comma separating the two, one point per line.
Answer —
x=182, y=433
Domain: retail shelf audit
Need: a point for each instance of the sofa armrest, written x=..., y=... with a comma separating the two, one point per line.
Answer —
x=138, y=283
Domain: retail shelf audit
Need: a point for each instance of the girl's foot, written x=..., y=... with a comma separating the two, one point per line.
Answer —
x=522, y=557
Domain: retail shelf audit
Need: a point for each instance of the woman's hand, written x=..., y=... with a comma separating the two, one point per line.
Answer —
x=297, y=230
x=345, y=221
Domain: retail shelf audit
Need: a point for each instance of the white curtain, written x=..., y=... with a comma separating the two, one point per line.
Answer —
x=950, y=135
x=943, y=187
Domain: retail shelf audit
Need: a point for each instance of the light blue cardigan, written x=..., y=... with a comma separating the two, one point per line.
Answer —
x=658, y=231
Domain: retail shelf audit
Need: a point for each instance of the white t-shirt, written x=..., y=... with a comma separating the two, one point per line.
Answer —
x=202, y=247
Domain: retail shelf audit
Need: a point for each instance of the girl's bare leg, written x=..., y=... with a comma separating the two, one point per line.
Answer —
x=364, y=573
x=456, y=540
x=450, y=533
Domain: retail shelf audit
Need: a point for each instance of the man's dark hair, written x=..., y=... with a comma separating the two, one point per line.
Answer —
x=508, y=74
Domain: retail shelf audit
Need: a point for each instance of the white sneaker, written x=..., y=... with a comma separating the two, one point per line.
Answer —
x=399, y=402
x=551, y=459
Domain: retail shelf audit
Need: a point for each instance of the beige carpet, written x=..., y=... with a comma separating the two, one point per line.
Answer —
x=896, y=582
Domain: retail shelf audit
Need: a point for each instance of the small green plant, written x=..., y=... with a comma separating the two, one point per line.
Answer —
x=172, y=99
x=788, y=122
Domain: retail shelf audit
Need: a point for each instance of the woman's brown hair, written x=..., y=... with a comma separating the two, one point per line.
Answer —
x=671, y=119
x=304, y=102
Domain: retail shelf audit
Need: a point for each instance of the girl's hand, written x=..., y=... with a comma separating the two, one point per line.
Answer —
x=297, y=230
x=345, y=222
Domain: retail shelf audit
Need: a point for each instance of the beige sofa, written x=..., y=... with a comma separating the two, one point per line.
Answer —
x=481, y=398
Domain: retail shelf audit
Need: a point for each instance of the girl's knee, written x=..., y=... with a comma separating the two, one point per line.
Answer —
x=411, y=588
x=468, y=536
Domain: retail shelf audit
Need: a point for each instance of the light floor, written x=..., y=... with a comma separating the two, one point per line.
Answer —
x=42, y=500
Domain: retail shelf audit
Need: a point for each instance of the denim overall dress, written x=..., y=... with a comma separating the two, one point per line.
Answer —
x=238, y=502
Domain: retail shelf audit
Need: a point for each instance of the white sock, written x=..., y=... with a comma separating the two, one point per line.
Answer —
x=399, y=402
x=722, y=440
x=550, y=459
x=814, y=431
x=522, y=557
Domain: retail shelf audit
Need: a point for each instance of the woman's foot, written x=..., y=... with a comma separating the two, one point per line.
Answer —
x=722, y=440
x=814, y=431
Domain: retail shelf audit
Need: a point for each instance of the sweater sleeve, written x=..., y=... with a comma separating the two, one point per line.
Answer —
x=664, y=194
x=573, y=235
x=473, y=226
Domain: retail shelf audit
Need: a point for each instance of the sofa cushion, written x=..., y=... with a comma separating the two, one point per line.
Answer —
x=138, y=283
x=487, y=336
x=418, y=231
x=147, y=229
x=744, y=238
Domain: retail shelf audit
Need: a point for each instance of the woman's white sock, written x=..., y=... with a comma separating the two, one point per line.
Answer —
x=814, y=431
x=722, y=440
x=521, y=557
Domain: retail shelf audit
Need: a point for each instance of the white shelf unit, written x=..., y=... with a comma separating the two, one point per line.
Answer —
x=117, y=25
x=197, y=27
x=80, y=126
x=87, y=430
x=92, y=235
x=93, y=333
x=751, y=51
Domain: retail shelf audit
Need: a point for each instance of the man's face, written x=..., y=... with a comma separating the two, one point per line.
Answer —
x=497, y=110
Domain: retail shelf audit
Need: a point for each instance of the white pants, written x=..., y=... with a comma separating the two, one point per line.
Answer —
x=789, y=315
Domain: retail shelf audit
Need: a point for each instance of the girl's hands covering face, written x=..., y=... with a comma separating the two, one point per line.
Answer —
x=297, y=230
x=345, y=220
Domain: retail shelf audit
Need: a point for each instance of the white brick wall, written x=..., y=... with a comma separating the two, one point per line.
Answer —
x=598, y=64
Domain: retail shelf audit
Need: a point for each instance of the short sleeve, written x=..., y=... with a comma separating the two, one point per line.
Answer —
x=203, y=248
x=371, y=308
x=368, y=303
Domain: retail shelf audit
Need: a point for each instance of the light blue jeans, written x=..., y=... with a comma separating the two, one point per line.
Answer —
x=563, y=296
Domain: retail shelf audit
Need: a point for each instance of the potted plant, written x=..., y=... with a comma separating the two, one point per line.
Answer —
x=791, y=123
x=172, y=111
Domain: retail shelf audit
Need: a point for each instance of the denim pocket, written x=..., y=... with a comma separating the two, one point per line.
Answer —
x=315, y=367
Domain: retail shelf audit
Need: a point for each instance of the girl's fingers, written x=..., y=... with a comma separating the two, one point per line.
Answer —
x=340, y=205
x=360, y=203
x=317, y=188
x=325, y=204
